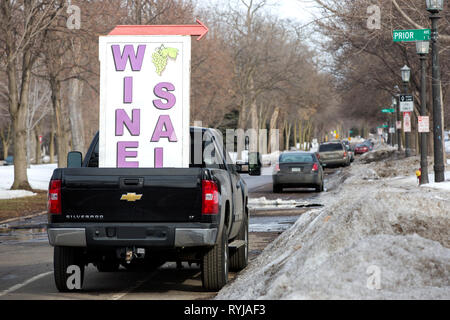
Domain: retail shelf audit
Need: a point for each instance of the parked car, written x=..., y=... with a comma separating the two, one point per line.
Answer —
x=364, y=147
x=146, y=216
x=297, y=170
x=9, y=161
x=350, y=151
x=333, y=154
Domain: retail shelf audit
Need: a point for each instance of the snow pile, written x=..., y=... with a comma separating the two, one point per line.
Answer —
x=11, y=194
x=379, y=153
x=373, y=240
x=38, y=177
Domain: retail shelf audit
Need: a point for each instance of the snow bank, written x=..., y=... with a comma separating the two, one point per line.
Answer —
x=38, y=176
x=370, y=229
x=11, y=194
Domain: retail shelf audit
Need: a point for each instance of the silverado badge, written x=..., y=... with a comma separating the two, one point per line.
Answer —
x=131, y=197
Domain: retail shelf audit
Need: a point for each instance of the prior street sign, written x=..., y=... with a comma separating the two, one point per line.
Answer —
x=411, y=35
x=388, y=110
x=406, y=103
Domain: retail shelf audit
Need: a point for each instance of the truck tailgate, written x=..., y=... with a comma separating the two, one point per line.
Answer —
x=131, y=195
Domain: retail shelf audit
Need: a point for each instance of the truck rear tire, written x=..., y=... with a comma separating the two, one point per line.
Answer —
x=239, y=257
x=63, y=258
x=277, y=188
x=108, y=266
x=215, y=265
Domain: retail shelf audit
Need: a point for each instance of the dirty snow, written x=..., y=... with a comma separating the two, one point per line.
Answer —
x=377, y=222
x=38, y=176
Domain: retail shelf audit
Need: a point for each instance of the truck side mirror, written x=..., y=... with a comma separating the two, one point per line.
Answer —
x=254, y=164
x=74, y=159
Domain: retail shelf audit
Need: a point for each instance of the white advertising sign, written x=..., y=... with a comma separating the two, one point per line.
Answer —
x=380, y=131
x=144, y=101
x=407, y=121
x=424, y=124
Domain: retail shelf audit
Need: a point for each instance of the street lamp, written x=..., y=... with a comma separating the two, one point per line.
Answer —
x=399, y=130
x=422, y=49
x=434, y=7
x=394, y=119
x=406, y=76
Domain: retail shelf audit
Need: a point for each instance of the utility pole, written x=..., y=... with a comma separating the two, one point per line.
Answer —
x=434, y=7
x=422, y=48
x=406, y=76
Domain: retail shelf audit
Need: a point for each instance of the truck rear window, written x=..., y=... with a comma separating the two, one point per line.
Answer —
x=301, y=158
x=330, y=147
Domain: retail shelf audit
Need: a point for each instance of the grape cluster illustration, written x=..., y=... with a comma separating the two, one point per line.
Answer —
x=161, y=56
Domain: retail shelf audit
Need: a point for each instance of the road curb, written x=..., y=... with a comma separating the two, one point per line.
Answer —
x=23, y=218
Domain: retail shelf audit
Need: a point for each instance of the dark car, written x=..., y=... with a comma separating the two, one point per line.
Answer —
x=146, y=216
x=297, y=170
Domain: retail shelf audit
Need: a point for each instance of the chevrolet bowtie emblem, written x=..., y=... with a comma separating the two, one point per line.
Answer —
x=131, y=197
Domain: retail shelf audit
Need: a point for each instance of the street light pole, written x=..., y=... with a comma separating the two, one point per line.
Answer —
x=422, y=48
x=434, y=6
x=396, y=102
x=406, y=75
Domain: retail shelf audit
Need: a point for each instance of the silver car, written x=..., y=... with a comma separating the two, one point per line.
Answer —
x=297, y=170
x=333, y=154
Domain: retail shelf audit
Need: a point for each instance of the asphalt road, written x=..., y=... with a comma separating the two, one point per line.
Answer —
x=26, y=261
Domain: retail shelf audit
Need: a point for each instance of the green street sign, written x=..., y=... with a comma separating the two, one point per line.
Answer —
x=388, y=110
x=411, y=35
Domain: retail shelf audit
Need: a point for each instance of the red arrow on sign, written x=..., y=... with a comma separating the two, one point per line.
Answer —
x=161, y=30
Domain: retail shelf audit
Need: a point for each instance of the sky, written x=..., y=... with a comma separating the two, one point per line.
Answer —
x=300, y=10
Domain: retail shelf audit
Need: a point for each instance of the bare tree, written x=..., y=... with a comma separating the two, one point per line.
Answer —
x=22, y=26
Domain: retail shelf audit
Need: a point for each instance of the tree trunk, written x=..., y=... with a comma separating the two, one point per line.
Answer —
x=18, y=112
x=60, y=134
x=37, y=152
x=51, y=149
x=75, y=115
x=5, y=149
x=20, y=151
x=272, y=134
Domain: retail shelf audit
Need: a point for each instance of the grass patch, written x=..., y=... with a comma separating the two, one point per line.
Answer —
x=19, y=207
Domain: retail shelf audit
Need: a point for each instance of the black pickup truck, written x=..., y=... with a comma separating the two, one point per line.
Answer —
x=143, y=217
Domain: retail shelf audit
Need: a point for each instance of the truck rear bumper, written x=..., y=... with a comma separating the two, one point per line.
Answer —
x=148, y=235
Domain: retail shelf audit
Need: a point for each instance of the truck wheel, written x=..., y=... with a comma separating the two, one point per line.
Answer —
x=277, y=188
x=65, y=277
x=107, y=266
x=215, y=265
x=239, y=257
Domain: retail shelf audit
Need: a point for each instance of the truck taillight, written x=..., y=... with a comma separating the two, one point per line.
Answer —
x=210, y=197
x=54, y=197
x=345, y=154
x=315, y=167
